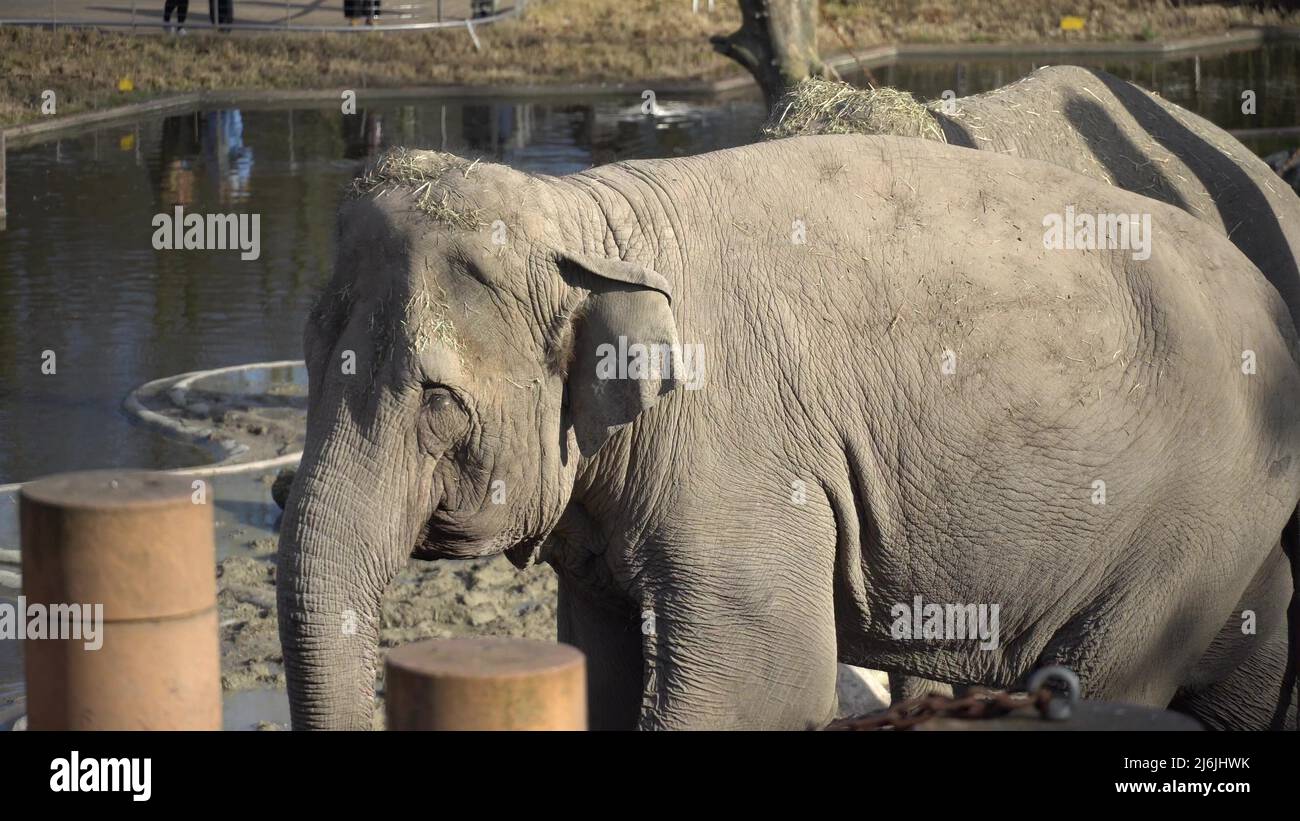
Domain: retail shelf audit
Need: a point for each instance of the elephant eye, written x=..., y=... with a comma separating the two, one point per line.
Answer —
x=439, y=400
x=445, y=419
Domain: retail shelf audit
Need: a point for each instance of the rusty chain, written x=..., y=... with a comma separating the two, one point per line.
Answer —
x=979, y=703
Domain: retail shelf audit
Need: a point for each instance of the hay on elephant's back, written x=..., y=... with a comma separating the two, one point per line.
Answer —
x=827, y=107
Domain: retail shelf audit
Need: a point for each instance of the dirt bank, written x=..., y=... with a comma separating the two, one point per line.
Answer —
x=640, y=42
x=486, y=597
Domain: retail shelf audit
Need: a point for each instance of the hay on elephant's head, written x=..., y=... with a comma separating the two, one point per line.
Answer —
x=827, y=107
x=425, y=320
x=430, y=179
x=424, y=174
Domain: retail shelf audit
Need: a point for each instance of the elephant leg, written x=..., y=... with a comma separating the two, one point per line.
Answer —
x=903, y=687
x=609, y=635
x=1239, y=683
x=1248, y=697
x=1148, y=644
x=740, y=655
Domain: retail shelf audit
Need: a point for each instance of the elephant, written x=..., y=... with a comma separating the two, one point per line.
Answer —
x=1098, y=125
x=754, y=405
x=1095, y=124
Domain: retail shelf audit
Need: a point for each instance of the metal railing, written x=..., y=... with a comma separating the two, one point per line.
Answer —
x=148, y=18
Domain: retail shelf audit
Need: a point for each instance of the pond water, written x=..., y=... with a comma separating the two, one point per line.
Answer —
x=79, y=276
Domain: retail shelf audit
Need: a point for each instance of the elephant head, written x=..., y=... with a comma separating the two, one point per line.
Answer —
x=455, y=366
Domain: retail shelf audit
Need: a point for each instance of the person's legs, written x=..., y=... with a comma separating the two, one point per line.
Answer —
x=221, y=12
x=182, y=9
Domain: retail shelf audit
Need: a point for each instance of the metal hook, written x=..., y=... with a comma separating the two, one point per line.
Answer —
x=1056, y=709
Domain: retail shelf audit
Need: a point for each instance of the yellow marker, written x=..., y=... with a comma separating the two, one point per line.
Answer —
x=125, y=84
x=1071, y=23
x=127, y=142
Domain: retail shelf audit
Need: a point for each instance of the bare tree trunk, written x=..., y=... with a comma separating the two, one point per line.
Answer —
x=777, y=43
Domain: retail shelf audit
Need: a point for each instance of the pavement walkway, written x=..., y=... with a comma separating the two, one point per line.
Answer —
x=296, y=12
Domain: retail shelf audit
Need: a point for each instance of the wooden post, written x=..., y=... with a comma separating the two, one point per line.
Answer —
x=133, y=553
x=486, y=684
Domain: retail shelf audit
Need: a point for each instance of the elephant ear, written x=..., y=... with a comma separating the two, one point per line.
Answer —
x=624, y=347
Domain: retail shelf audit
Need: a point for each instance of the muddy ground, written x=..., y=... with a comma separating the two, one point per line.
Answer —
x=484, y=597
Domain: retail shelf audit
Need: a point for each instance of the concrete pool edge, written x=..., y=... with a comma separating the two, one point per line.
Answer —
x=18, y=136
x=177, y=388
x=226, y=454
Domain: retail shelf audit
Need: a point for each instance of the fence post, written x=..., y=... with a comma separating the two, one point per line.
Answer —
x=133, y=551
x=486, y=684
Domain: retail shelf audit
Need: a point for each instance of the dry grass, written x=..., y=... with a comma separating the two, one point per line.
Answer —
x=560, y=41
x=826, y=107
x=425, y=320
x=423, y=174
x=1026, y=21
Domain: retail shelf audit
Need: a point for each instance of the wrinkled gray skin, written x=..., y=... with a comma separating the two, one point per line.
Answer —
x=824, y=374
x=1093, y=123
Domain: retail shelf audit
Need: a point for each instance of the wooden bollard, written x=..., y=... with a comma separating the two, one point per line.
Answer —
x=141, y=545
x=486, y=684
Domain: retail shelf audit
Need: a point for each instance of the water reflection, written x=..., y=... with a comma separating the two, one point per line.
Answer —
x=229, y=161
x=362, y=134
x=178, y=154
x=78, y=275
x=210, y=140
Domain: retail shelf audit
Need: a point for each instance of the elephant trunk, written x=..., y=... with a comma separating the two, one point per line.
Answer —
x=337, y=555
